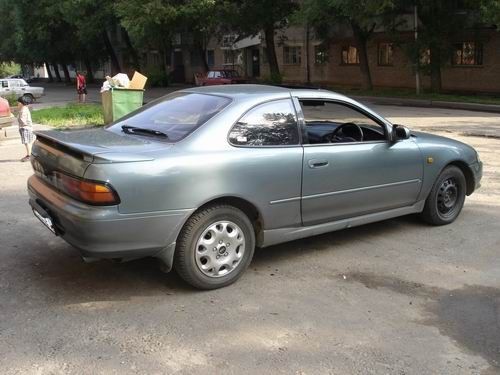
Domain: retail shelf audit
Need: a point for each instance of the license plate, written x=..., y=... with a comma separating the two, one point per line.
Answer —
x=47, y=221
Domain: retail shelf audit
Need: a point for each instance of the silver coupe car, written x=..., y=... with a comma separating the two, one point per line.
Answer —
x=202, y=176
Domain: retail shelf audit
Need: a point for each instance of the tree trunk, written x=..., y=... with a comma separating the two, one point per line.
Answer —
x=49, y=73
x=67, y=77
x=435, y=63
x=115, y=64
x=56, y=72
x=271, y=54
x=203, y=56
x=131, y=50
x=88, y=67
x=364, y=65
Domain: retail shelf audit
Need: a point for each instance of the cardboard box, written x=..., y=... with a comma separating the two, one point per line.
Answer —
x=138, y=81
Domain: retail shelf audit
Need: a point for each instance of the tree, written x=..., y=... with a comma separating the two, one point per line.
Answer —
x=250, y=17
x=362, y=17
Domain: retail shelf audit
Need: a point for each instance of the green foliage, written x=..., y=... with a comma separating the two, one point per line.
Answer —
x=9, y=68
x=70, y=116
x=12, y=99
x=157, y=77
x=272, y=79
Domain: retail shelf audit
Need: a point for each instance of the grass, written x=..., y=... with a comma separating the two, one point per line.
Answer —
x=410, y=94
x=70, y=116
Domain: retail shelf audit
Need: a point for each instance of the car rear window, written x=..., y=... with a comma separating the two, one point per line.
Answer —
x=176, y=115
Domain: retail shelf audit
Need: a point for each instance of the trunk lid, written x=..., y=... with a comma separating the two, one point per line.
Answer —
x=73, y=151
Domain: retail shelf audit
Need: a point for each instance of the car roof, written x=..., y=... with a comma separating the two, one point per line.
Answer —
x=265, y=92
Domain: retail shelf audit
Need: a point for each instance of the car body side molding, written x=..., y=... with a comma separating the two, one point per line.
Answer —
x=275, y=236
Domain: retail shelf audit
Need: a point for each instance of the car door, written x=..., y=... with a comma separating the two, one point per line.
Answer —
x=266, y=162
x=354, y=177
x=15, y=87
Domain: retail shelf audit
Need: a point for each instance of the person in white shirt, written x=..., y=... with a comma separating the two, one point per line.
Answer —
x=25, y=127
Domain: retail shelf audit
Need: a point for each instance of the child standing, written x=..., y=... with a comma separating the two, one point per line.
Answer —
x=25, y=127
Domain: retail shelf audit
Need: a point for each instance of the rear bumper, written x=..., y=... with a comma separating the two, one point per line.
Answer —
x=103, y=232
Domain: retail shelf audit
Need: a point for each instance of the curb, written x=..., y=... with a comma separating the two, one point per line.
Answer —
x=382, y=100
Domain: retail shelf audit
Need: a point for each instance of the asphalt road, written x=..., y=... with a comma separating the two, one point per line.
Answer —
x=395, y=297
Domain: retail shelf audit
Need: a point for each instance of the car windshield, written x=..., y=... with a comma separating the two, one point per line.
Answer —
x=175, y=115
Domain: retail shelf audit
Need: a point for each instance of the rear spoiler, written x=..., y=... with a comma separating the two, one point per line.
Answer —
x=87, y=153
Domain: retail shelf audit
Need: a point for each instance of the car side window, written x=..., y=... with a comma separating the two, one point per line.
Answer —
x=5, y=84
x=217, y=75
x=14, y=84
x=269, y=124
x=211, y=74
x=333, y=122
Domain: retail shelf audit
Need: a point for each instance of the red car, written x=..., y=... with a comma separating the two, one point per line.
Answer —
x=222, y=77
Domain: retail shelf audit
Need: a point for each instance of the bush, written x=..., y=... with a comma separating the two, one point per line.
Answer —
x=157, y=77
x=12, y=99
x=273, y=79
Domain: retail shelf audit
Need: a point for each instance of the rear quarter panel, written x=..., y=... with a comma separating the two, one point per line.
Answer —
x=204, y=166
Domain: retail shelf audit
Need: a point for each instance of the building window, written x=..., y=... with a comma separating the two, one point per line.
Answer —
x=210, y=58
x=385, y=54
x=425, y=57
x=320, y=54
x=468, y=53
x=228, y=57
x=350, y=55
x=292, y=55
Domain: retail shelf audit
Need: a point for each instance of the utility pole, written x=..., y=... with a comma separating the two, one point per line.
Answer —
x=308, y=68
x=417, y=64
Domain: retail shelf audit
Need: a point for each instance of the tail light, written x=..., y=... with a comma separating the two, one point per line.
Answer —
x=92, y=192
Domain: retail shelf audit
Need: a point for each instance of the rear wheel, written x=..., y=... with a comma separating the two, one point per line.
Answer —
x=215, y=247
x=28, y=98
x=447, y=197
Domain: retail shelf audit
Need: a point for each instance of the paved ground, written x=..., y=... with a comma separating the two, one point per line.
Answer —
x=396, y=297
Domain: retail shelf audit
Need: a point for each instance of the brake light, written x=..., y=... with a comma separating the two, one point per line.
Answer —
x=87, y=191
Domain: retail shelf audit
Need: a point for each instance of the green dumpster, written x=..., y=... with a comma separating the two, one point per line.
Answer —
x=118, y=102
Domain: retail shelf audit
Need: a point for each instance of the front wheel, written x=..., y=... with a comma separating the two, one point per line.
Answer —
x=447, y=197
x=214, y=247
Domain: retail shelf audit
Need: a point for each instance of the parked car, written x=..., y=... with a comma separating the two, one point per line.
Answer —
x=19, y=87
x=222, y=77
x=27, y=78
x=202, y=176
x=6, y=117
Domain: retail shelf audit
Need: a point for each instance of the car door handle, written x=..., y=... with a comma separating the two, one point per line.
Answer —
x=315, y=163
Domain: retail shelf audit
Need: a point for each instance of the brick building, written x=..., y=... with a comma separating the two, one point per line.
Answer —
x=473, y=67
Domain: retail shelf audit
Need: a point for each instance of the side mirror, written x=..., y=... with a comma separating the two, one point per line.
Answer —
x=400, y=132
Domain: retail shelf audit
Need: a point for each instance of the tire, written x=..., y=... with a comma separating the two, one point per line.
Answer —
x=214, y=247
x=446, y=198
x=28, y=98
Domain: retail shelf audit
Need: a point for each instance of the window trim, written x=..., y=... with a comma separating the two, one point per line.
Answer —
x=299, y=128
x=351, y=106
